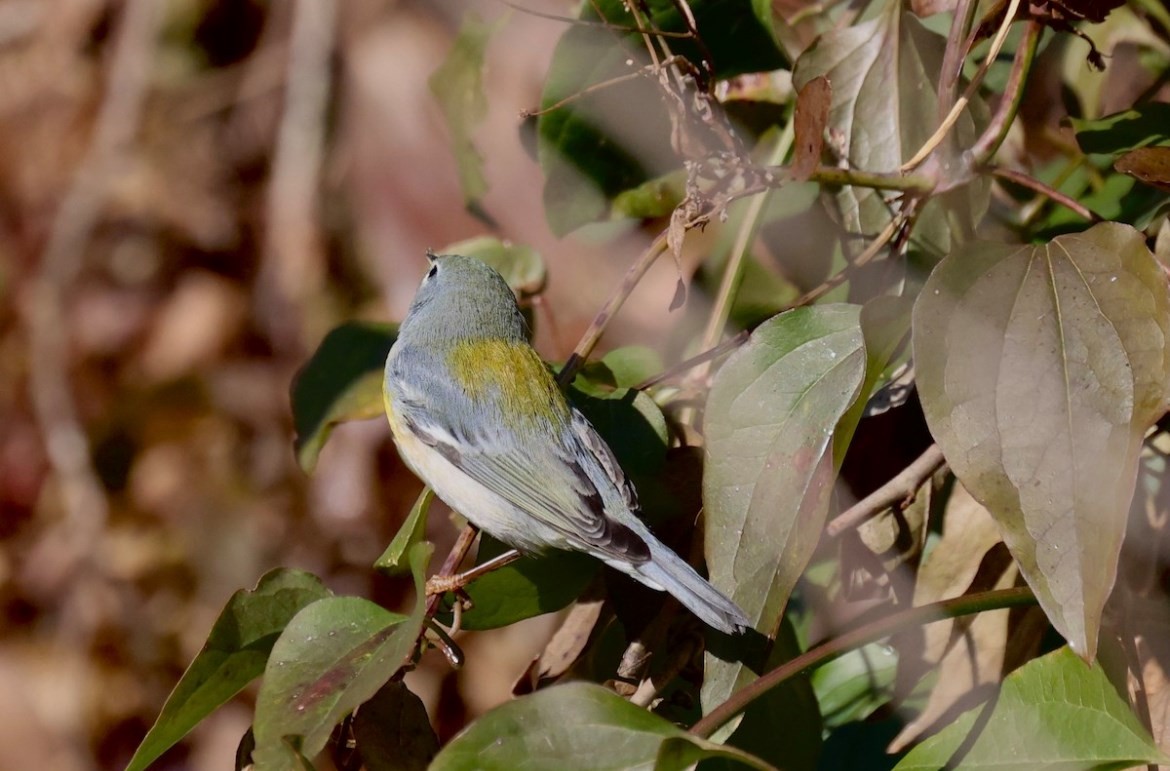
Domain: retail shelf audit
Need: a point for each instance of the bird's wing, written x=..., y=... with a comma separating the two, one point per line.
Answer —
x=559, y=476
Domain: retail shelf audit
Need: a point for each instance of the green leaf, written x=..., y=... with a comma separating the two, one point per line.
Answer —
x=769, y=470
x=521, y=266
x=851, y=687
x=884, y=74
x=458, y=86
x=393, y=731
x=1145, y=125
x=1054, y=712
x=342, y=381
x=334, y=655
x=617, y=135
x=623, y=367
x=572, y=727
x=530, y=586
x=1039, y=369
x=395, y=559
x=792, y=704
x=233, y=656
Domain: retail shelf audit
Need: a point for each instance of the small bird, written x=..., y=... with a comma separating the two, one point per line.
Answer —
x=478, y=417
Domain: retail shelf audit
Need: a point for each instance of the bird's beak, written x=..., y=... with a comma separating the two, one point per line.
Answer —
x=431, y=256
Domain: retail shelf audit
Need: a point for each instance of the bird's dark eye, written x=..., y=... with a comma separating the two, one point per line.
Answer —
x=431, y=273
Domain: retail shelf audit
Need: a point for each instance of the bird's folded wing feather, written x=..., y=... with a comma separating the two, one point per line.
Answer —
x=542, y=473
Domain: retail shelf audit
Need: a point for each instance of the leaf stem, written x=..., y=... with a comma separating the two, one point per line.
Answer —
x=961, y=103
x=862, y=635
x=987, y=144
x=1023, y=180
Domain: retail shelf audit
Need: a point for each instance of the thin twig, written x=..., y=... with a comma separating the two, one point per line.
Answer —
x=1023, y=180
x=1009, y=104
x=605, y=315
x=83, y=498
x=451, y=563
x=899, y=491
x=867, y=633
x=727, y=346
x=865, y=257
x=961, y=104
x=956, y=52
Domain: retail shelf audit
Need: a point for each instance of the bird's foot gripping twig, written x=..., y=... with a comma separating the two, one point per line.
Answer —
x=457, y=581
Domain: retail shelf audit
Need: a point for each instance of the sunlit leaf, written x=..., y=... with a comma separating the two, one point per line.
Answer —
x=234, y=655
x=334, y=655
x=396, y=557
x=1054, y=712
x=769, y=470
x=342, y=381
x=574, y=727
x=1039, y=369
x=1142, y=126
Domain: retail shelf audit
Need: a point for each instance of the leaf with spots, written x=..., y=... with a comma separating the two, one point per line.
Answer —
x=1040, y=368
x=769, y=472
x=333, y=656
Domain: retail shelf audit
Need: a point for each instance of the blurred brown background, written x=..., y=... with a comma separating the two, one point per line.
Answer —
x=192, y=193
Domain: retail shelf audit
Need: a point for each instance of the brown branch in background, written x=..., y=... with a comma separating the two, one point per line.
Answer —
x=292, y=241
x=1023, y=180
x=83, y=497
x=899, y=491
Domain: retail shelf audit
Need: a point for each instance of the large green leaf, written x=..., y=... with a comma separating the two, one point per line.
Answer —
x=1039, y=369
x=884, y=74
x=334, y=655
x=1053, y=713
x=617, y=136
x=342, y=381
x=521, y=266
x=769, y=469
x=458, y=86
x=234, y=655
x=575, y=727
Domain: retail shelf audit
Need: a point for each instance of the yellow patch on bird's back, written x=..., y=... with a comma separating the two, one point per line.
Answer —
x=513, y=375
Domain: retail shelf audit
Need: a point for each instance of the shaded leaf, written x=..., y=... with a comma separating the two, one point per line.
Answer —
x=572, y=726
x=967, y=654
x=234, y=655
x=1142, y=126
x=342, y=381
x=393, y=731
x=1039, y=369
x=521, y=266
x=851, y=687
x=769, y=461
x=1054, y=712
x=395, y=559
x=334, y=655
x=618, y=135
x=458, y=86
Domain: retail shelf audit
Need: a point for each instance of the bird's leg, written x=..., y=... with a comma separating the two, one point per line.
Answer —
x=456, y=582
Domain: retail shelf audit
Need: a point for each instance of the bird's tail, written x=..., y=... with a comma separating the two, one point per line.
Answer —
x=666, y=571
